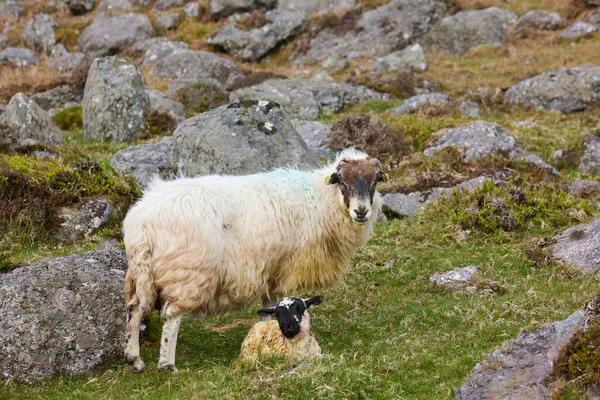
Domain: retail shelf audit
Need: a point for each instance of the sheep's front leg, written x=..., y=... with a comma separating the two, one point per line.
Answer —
x=168, y=341
x=132, y=350
x=269, y=301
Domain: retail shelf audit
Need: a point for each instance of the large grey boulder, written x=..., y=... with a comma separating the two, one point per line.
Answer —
x=521, y=368
x=63, y=315
x=305, y=99
x=146, y=161
x=196, y=65
x=115, y=100
x=576, y=30
x=154, y=49
x=415, y=103
x=256, y=43
x=590, y=160
x=61, y=60
x=109, y=35
x=58, y=96
x=161, y=104
x=11, y=9
x=377, y=32
x=314, y=6
x=580, y=246
x=539, y=19
x=564, y=90
x=81, y=220
x=241, y=138
x=224, y=8
x=464, y=30
x=314, y=134
x=28, y=124
x=18, y=57
x=411, y=57
x=39, y=33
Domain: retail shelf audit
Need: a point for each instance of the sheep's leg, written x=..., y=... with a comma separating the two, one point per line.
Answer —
x=168, y=342
x=132, y=349
x=267, y=302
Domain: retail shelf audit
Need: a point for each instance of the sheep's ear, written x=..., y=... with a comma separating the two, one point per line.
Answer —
x=313, y=301
x=332, y=179
x=266, y=312
x=382, y=176
x=376, y=163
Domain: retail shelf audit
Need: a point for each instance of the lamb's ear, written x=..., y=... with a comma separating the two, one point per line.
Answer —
x=332, y=179
x=382, y=176
x=313, y=301
x=266, y=312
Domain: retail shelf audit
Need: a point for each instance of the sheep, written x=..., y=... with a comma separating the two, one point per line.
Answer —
x=213, y=244
x=289, y=335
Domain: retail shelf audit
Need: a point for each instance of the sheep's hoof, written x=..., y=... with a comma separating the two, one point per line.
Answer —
x=167, y=368
x=137, y=365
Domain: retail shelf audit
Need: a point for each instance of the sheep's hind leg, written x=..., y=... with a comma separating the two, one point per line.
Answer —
x=168, y=342
x=267, y=302
x=132, y=349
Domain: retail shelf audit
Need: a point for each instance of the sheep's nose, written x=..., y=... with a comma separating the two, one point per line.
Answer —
x=361, y=213
x=290, y=327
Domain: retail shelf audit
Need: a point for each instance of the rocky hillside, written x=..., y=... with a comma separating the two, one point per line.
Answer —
x=481, y=279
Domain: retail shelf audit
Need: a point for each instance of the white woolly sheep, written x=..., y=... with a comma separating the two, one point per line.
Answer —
x=218, y=243
x=289, y=335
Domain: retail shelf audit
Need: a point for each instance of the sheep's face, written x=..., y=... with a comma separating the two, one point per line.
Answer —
x=289, y=312
x=357, y=182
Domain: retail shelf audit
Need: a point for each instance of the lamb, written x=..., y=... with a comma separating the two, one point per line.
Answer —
x=289, y=335
x=213, y=244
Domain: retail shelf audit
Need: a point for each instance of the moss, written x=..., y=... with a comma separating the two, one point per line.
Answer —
x=201, y=96
x=69, y=118
x=202, y=31
x=67, y=37
x=158, y=124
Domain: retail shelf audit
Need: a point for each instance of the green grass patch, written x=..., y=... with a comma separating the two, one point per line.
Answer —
x=69, y=119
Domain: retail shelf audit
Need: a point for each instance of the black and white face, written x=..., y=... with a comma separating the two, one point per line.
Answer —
x=357, y=182
x=289, y=313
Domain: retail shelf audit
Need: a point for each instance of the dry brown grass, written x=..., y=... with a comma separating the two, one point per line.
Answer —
x=28, y=80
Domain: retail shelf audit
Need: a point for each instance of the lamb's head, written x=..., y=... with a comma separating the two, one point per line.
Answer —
x=357, y=181
x=291, y=314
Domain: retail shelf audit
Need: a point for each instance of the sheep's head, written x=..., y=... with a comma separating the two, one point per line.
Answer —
x=290, y=313
x=357, y=182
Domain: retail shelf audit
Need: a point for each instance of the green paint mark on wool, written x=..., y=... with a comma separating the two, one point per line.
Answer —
x=294, y=179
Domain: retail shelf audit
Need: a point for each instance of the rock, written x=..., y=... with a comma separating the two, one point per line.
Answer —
x=590, y=160
x=242, y=138
x=39, y=33
x=466, y=29
x=538, y=19
x=155, y=49
x=109, y=35
x=28, y=124
x=578, y=29
x=18, y=57
x=592, y=2
x=81, y=220
x=305, y=99
x=196, y=93
x=224, y=8
x=115, y=5
x=57, y=97
x=520, y=368
x=411, y=57
x=456, y=279
x=192, y=65
x=580, y=246
x=160, y=103
x=469, y=109
x=315, y=6
x=192, y=10
x=593, y=392
x=415, y=103
x=115, y=100
x=168, y=20
x=314, y=134
x=585, y=189
x=79, y=7
x=256, y=43
x=165, y=4
x=595, y=17
x=409, y=204
x=63, y=315
x=564, y=90
x=60, y=59
x=146, y=161
x=11, y=9
x=377, y=32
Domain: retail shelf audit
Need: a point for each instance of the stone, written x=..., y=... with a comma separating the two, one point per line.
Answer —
x=592, y=2
x=79, y=7
x=456, y=279
x=109, y=35
x=315, y=6
x=192, y=10
x=539, y=19
x=314, y=134
x=590, y=160
x=377, y=32
x=409, y=204
x=579, y=246
x=255, y=44
x=81, y=220
x=18, y=57
x=411, y=57
x=193, y=65
x=416, y=103
x=585, y=189
x=115, y=5
x=39, y=33
x=469, y=109
x=61, y=60
x=155, y=49
x=161, y=104
x=28, y=124
x=305, y=99
x=166, y=4
x=593, y=392
x=115, y=100
x=565, y=90
x=11, y=9
x=576, y=30
x=168, y=20
x=198, y=94
x=225, y=8
x=146, y=161
x=467, y=29
x=57, y=97
x=595, y=17
x=63, y=315
x=521, y=368
x=238, y=139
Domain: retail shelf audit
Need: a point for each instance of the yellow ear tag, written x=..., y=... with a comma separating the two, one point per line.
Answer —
x=326, y=179
x=386, y=177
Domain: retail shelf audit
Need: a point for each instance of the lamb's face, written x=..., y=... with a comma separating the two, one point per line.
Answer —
x=357, y=183
x=289, y=312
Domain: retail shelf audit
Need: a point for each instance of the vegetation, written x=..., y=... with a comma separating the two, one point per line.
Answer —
x=69, y=119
